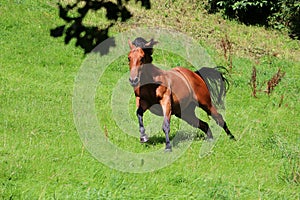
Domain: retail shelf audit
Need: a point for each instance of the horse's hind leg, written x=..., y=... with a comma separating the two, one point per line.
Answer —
x=190, y=117
x=220, y=121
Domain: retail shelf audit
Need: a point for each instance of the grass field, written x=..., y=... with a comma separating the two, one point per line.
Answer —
x=43, y=157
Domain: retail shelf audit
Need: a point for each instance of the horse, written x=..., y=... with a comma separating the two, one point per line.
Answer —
x=177, y=91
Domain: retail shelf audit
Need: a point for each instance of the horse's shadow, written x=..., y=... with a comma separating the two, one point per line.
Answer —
x=176, y=139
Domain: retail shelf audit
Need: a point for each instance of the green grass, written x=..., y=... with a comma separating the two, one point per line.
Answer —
x=42, y=156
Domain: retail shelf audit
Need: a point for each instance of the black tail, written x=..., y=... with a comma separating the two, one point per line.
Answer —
x=216, y=84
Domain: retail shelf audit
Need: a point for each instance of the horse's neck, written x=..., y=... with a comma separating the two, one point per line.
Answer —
x=150, y=71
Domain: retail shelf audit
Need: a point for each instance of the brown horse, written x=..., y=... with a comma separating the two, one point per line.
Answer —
x=174, y=92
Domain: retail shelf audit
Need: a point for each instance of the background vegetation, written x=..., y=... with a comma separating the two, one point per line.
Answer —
x=42, y=157
x=279, y=14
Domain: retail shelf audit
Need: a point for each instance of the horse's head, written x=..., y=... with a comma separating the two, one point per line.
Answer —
x=138, y=56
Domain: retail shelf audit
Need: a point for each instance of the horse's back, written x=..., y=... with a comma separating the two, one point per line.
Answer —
x=198, y=87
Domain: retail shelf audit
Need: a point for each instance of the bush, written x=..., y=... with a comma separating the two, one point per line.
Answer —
x=287, y=16
x=279, y=14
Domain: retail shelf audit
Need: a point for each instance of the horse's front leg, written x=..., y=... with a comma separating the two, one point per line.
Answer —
x=166, y=107
x=143, y=137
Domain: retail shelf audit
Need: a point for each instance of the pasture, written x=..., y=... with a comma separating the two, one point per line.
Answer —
x=43, y=157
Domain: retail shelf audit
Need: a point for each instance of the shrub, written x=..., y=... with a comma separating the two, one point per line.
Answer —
x=279, y=14
x=287, y=16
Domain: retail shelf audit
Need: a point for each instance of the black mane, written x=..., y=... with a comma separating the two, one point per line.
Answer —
x=141, y=42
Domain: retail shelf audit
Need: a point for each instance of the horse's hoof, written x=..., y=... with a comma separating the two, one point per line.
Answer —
x=144, y=139
x=232, y=137
x=167, y=150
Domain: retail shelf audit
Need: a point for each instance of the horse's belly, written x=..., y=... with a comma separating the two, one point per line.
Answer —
x=182, y=96
x=180, y=105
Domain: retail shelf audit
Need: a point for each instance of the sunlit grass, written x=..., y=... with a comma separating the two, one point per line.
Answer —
x=42, y=156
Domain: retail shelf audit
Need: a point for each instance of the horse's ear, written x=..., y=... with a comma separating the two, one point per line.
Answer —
x=151, y=43
x=131, y=45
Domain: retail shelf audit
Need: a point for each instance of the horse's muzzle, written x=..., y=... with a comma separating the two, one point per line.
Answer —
x=134, y=82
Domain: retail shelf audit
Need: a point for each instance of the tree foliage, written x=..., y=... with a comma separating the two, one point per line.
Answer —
x=279, y=14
